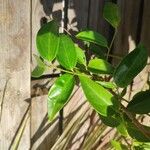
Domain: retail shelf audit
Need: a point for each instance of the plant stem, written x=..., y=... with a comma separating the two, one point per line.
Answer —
x=136, y=123
x=114, y=56
x=111, y=44
x=134, y=120
x=66, y=71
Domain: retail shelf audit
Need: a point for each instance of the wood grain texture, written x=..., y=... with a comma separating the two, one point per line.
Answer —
x=43, y=133
x=15, y=69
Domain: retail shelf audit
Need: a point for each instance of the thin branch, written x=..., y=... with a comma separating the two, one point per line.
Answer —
x=136, y=123
x=115, y=56
x=134, y=120
x=111, y=44
x=67, y=71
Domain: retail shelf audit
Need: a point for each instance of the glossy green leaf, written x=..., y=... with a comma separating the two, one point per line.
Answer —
x=140, y=104
x=93, y=37
x=81, y=59
x=67, y=56
x=109, y=85
x=39, y=69
x=59, y=94
x=47, y=40
x=135, y=133
x=111, y=14
x=100, y=66
x=130, y=66
x=100, y=99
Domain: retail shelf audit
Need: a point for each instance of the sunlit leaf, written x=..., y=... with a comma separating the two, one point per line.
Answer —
x=130, y=66
x=47, y=40
x=100, y=66
x=109, y=85
x=81, y=59
x=116, y=145
x=93, y=37
x=67, y=56
x=111, y=14
x=59, y=94
x=100, y=99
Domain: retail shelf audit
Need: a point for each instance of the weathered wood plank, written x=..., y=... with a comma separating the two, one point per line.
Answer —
x=42, y=11
x=43, y=133
x=15, y=69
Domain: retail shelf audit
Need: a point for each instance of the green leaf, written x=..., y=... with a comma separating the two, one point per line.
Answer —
x=37, y=72
x=141, y=145
x=99, y=51
x=93, y=37
x=67, y=56
x=109, y=85
x=39, y=61
x=81, y=59
x=116, y=145
x=111, y=121
x=122, y=127
x=39, y=69
x=130, y=66
x=47, y=40
x=140, y=104
x=100, y=66
x=101, y=99
x=111, y=14
x=135, y=133
x=59, y=94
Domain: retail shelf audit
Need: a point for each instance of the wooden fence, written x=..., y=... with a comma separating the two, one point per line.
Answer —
x=23, y=102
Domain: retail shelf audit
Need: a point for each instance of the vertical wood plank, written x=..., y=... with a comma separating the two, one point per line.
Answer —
x=43, y=134
x=77, y=14
x=15, y=69
x=127, y=31
x=145, y=35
